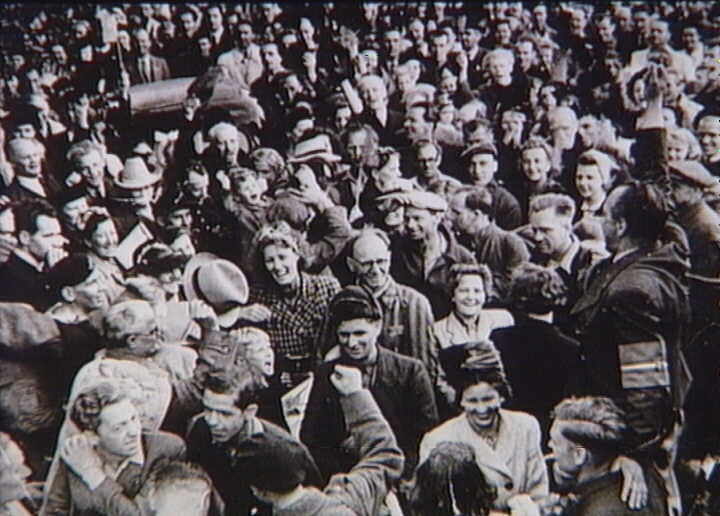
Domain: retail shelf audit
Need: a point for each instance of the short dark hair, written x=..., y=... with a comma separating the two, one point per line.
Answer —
x=27, y=213
x=89, y=404
x=92, y=224
x=237, y=381
x=537, y=290
x=480, y=200
x=644, y=209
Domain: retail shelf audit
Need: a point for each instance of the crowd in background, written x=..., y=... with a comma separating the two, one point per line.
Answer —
x=369, y=258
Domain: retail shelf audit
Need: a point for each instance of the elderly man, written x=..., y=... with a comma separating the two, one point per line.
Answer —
x=407, y=315
x=401, y=385
x=635, y=309
x=587, y=436
x=103, y=468
x=376, y=112
x=31, y=179
x=422, y=258
x=40, y=245
x=660, y=51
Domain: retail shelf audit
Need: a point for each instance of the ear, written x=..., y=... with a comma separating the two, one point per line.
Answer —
x=24, y=238
x=68, y=294
x=250, y=410
x=580, y=455
x=352, y=264
x=621, y=226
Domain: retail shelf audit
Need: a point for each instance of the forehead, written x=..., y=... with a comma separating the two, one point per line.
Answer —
x=370, y=246
x=480, y=390
x=546, y=218
x=470, y=280
x=217, y=401
x=47, y=225
x=117, y=412
x=354, y=325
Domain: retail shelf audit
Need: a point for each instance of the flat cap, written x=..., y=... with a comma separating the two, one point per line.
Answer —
x=692, y=172
x=425, y=201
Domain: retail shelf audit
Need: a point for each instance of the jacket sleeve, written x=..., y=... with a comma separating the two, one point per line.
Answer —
x=420, y=321
x=364, y=488
x=58, y=497
x=335, y=231
x=536, y=481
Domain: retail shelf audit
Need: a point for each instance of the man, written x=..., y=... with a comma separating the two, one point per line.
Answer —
x=376, y=112
x=103, y=468
x=243, y=62
x=401, y=385
x=708, y=131
x=659, y=50
x=407, y=315
x=481, y=162
x=278, y=480
x=31, y=179
x=567, y=146
x=216, y=436
x=554, y=243
x=635, y=309
x=428, y=156
x=422, y=258
x=94, y=170
x=227, y=148
x=587, y=436
x=176, y=487
x=502, y=251
x=40, y=246
x=217, y=33
x=504, y=91
x=146, y=67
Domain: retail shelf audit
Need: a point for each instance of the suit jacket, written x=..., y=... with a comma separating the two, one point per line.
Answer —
x=601, y=497
x=514, y=466
x=159, y=71
x=400, y=385
x=69, y=494
x=17, y=192
x=23, y=283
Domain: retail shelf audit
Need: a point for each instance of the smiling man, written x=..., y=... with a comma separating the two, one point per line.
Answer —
x=400, y=384
x=103, y=468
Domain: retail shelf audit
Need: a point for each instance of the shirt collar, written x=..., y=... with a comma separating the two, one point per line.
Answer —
x=565, y=263
x=30, y=259
x=33, y=184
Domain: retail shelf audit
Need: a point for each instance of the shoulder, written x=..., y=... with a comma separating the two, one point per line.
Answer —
x=164, y=442
x=520, y=421
x=399, y=361
x=498, y=317
x=448, y=428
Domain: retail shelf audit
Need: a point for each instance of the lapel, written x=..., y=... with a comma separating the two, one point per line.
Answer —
x=487, y=458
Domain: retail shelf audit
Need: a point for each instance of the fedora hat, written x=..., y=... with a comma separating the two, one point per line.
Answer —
x=135, y=175
x=316, y=148
x=218, y=282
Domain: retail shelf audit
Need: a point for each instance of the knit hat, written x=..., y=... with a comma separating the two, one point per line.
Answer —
x=353, y=302
x=278, y=462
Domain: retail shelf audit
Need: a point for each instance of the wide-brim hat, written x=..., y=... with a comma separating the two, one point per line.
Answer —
x=135, y=175
x=317, y=148
x=218, y=282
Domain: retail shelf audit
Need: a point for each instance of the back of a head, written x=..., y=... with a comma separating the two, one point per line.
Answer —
x=449, y=482
x=644, y=209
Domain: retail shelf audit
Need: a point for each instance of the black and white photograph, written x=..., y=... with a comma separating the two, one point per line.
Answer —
x=360, y=258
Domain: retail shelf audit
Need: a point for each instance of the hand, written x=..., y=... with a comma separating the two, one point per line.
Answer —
x=347, y=380
x=79, y=454
x=522, y=505
x=634, y=490
x=254, y=313
x=309, y=191
x=203, y=314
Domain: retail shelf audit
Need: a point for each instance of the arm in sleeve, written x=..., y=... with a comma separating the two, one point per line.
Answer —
x=336, y=230
x=57, y=501
x=420, y=323
x=536, y=481
x=364, y=488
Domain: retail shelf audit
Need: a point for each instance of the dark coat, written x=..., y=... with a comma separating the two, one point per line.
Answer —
x=601, y=497
x=159, y=71
x=23, y=283
x=639, y=298
x=400, y=385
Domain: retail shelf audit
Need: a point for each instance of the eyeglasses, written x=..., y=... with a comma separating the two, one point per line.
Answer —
x=368, y=265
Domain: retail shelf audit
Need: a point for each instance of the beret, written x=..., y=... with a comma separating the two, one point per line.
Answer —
x=692, y=172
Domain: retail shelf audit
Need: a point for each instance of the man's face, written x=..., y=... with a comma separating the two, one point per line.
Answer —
x=540, y=14
x=282, y=264
x=188, y=23
x=676, y=149
x=180, y=218
x=271, y=57
x=223, y=418
x=427, y=159
x=48, y=237
x=17, y=61
x=356, y=146
x=393, y=42
x=564, y=451
x=659, y=34
x=691, y=38
x=7, y=227
x=197, y=184
x=142, y=197
x=25, y=131
x=525, y=54
x=420, y=224
x=470, y=38
x=589, y=131
x=227, y=143
x=187, y=497
x=482, y=168
x=91, y=166
x=606, y=30
x=245, y=33
x=550, y=233
x=170, y=281
x=143, y=43
x=563, y=129
x=92, y=293
x=417, y=31
x=535, y=164
x=578, y=21
x=358, y=338
x=342, y=117
x=215, y=18
x=415, y=123
x=439, y=45
x=374, y=94
x=371, y=258
x=27, y=157
x=448, y=82
x=709, y=132
x=500, y=68
x=119, y=431
x=503, y=33
x=104, y=240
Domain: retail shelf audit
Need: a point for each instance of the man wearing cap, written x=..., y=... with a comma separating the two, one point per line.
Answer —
x=423, y=257
x=400, y=384
x=135, y=195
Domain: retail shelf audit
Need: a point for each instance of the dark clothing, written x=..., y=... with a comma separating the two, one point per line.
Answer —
x=400, y=385
x=638, y=304
x=543, y=365
x=502, y=251
x=408, y=268
x=601, y=497
x=23, y=283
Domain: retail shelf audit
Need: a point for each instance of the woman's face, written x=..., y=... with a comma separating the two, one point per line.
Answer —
x=535, y=165
x=170, y=281
x=677, y=150
x=105, y=240
x=282, y=264
x=481, y=403
x=589, y=182
x=469, y=295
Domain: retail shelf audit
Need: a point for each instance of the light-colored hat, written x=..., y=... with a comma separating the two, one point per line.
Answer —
x=216, y=281
x=316, y=148
x=425, y=201
x=693, y=172
x=135, y=175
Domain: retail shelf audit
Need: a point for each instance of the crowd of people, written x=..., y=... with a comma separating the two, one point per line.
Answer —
x=377, y=258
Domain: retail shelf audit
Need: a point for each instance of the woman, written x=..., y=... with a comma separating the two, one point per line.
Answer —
x=594, y=177
x=506, y=443
x=100, y=237
x=291, y=303
x=536, y=157
x=681, y=144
